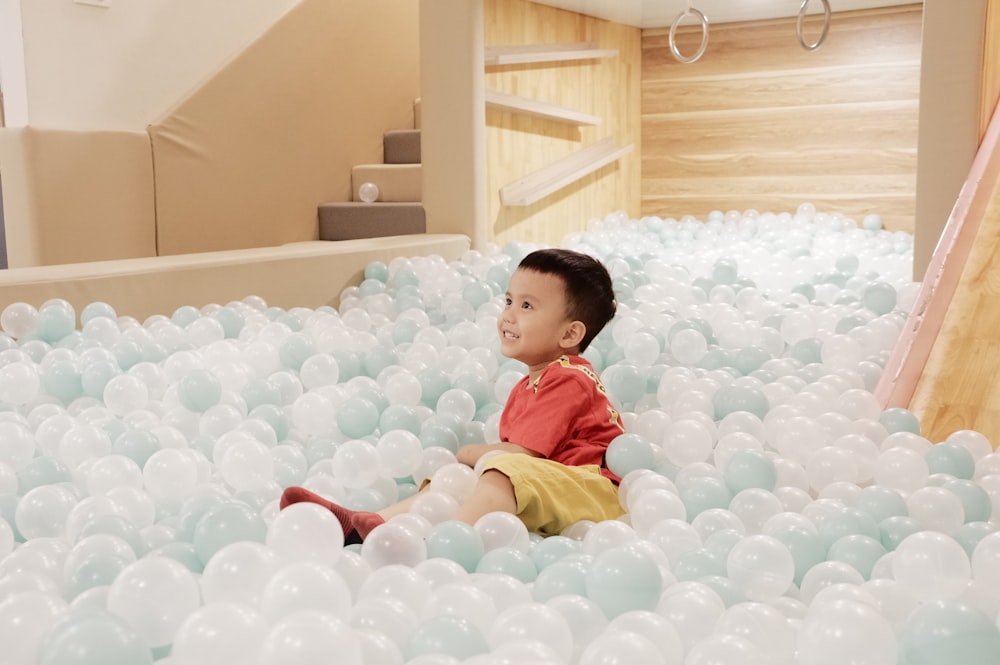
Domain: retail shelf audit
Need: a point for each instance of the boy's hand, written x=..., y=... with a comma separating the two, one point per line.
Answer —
x=470, y=454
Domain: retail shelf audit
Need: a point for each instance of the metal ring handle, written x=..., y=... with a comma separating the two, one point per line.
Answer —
x=826, y=25
x=703, y=21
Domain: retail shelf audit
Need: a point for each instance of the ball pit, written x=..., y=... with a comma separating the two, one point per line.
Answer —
x=776, y=514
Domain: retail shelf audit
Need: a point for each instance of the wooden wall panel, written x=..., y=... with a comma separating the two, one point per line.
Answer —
x=759, y=122
x=991, y=66
x=518, y=144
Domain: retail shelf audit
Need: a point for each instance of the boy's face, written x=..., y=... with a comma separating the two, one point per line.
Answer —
x=534, y=327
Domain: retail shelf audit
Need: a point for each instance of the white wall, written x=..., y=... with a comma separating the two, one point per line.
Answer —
x=122, y=67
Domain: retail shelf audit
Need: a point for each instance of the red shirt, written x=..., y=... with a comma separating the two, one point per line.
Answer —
x=565, y=415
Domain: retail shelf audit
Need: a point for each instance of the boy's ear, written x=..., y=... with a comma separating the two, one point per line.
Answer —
x=573, y=334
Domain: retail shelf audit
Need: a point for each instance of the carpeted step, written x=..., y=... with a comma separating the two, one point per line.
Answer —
x=352, y=220
x=401, y=146
x=397, y=183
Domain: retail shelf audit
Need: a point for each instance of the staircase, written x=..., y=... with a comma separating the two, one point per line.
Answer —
x=397, y=210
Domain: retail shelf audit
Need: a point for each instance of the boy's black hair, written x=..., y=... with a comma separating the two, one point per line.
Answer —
x=590, y=295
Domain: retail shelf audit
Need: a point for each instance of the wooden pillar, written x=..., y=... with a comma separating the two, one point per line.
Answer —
x=949, y=130
x=991, y=66
x=453, y=118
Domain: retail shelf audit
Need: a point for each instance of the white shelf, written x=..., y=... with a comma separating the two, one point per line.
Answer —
x=549, y=179
x=504, y=102
x=528, y=53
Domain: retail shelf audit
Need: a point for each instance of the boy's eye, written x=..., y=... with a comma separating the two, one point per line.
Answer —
x=525, y=305
x=507, y=301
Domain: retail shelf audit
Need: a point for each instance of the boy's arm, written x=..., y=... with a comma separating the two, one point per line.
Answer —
x=470, y=454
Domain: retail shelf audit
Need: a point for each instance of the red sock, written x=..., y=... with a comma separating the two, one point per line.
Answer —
x=299, y=494
x=364, y=522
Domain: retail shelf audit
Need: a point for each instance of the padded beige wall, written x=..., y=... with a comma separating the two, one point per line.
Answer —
x=121, y=66
x=307, y=274
x=248, y=157
x=76, y=196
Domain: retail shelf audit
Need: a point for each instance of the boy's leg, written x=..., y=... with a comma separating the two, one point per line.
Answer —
x=357, y=524
x=493, y=493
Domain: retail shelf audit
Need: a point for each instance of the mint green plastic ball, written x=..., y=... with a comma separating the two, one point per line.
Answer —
x=199, y=390
x=508, y=561
x=185, y=315
x=893, y=530
x=969, y=534
x=560, y=578
x=552, y=549
x=377, y=358
x=136, y=444
x=62, y=379
x=731, y=398
x=746, y=469
x=294, y=350
x=629, y=452
x=480, y=389
x=95, y=376
x=183, y=553
x=807, y=548
x=226, y=524
x=947, y=633
x=95, y=310
x=445, y=635
x=456, y=541
x=622, y=579
x=625, y=382
x=849, y=521
x=705, y=493
x=114, y=525
x=879, y=297
x=697, y=564
x=54, y=322
x=95, y=570
x=859, y=552
x=377, y=270
x=261, y=391
x=896, y=419
x=404, y=331
x=91, y=636
x=232, y=321
x=275, y=417
x=952, y=459
x=433, y=383
x=128, y=353
x=975, y=500
x=357, y=417
x=807, y=350
x=397, y=416
x=42, y=470
x=193, y=508
x=881, y=503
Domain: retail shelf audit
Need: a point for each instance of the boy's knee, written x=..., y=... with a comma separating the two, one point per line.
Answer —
x=495, y=477
x=499, y=488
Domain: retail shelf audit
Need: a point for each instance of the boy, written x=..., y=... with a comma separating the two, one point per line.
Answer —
x=548, y=468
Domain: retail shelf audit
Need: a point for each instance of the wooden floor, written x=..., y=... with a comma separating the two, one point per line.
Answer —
x=960, y=385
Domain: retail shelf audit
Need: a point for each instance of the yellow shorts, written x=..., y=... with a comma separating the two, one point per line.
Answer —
x=552, y=496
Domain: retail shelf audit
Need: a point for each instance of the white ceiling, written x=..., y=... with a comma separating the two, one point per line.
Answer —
x=662, y=13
